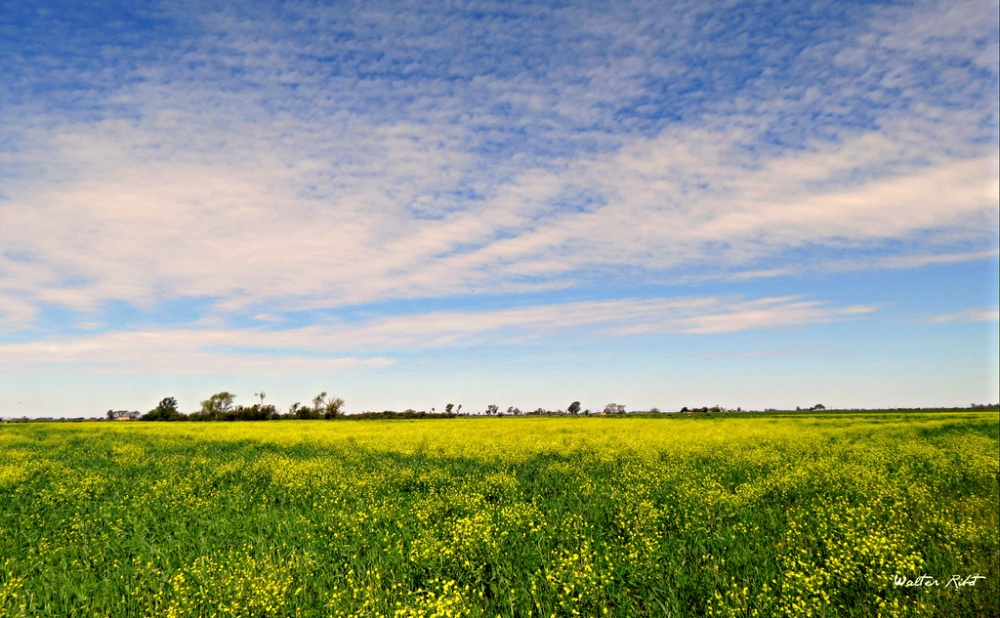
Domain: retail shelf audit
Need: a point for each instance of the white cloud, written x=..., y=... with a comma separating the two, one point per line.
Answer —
x=250, y=176
x=973, y=314
x=339, y=346
x=245, y=235
x=15, y=313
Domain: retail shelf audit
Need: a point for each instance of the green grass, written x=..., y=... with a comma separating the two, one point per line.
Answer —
x=780, y=515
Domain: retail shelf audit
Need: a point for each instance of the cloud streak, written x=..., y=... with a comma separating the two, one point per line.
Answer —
x=341, y=346
x=972, y=314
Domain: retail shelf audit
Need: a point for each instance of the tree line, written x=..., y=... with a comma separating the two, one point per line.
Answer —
x=220, y=407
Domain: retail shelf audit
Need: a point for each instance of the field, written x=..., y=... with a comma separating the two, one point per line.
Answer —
x=795, y=515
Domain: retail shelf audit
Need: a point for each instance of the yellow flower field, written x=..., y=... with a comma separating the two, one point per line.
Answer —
x=833, y=514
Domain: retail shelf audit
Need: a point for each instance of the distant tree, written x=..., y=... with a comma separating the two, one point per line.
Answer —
x=448, y=408
x=218, y=406
x=293, y=410
x=654, y=410
x=331, y=409
x=491, y=409
x=166, y=410
x=323, y=407
x=574, y=408
x=319, y=400
x=256, y=412
x=110, y=415
x=818, y=406
x=614, y=408
x=306, y=413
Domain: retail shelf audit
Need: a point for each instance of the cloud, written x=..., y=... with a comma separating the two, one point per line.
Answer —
x=15, y=314
x=144, y=233
x=297, y=156
x=973, y=314
x=176, y=352
x=340, y=346
x=887, y=262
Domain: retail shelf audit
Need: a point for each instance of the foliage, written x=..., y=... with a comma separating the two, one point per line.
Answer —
x=742, y=515
x=407, y=414
x=614, y=408
x=166, y=410
x=219, y=407
x=215, y=408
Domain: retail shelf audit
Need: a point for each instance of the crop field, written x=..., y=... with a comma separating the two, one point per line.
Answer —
x=798, y=515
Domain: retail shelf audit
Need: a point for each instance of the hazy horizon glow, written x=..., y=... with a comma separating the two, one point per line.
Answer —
x=519, y=203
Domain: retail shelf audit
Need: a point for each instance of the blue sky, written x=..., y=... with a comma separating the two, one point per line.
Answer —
x=519, y=203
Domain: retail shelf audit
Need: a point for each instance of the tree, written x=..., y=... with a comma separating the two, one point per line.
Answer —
x=574, y=408
x=614, y=408
x=448, y=408
x=166, y=410
x=331, y=409
x=325, y=408
x=319, y=400
x=491, y=409
x=218, y=405
x=256, y=412
x=304, y=413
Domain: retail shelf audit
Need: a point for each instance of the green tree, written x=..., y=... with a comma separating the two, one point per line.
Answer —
x=326, y=408
x=574, y=408
x=218, y=406
x=166, y=410
x=331, y=409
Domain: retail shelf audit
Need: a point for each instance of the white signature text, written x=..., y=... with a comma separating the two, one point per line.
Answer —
x=958, y=581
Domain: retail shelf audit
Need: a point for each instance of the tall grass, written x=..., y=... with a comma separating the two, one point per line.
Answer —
x=723, y=516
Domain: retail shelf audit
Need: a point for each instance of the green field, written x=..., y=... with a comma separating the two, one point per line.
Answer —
x=795, y=515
